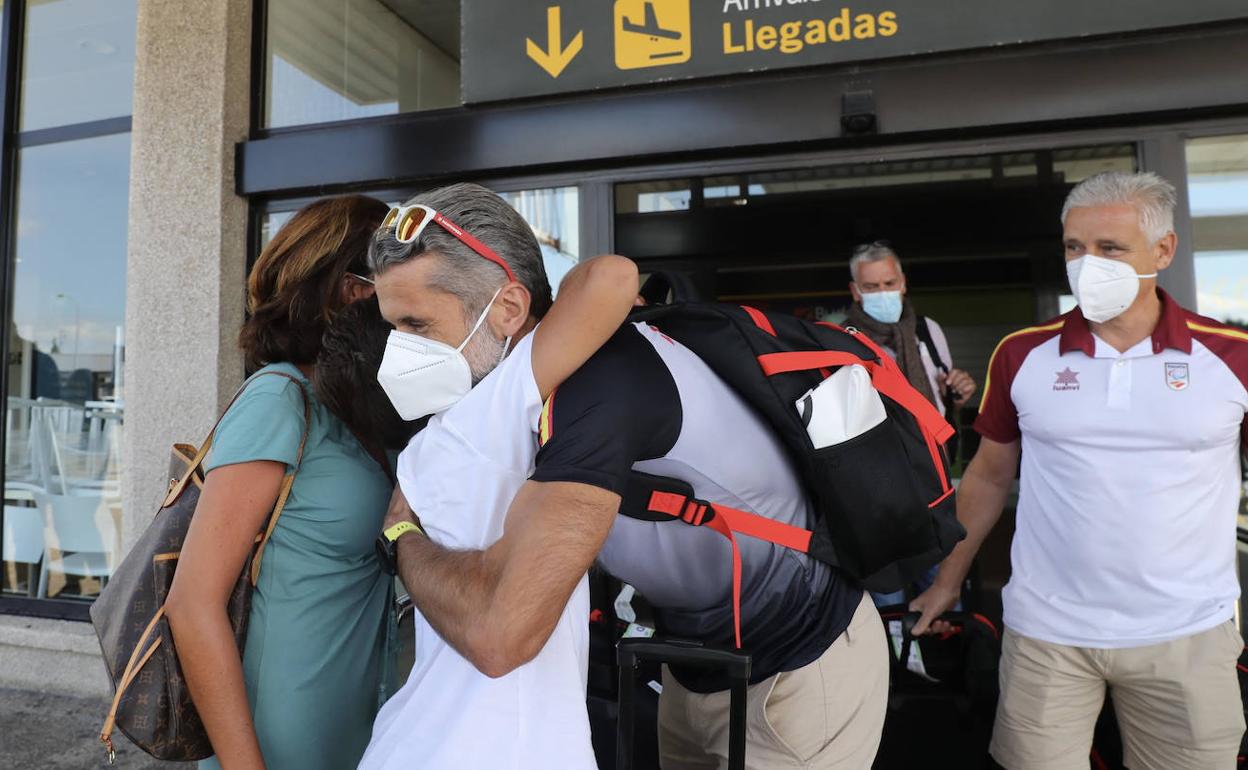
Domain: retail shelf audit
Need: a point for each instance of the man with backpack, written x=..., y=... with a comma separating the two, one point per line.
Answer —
x=645, y=402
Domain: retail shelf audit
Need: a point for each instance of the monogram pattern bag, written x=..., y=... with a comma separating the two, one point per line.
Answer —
x=152, y=705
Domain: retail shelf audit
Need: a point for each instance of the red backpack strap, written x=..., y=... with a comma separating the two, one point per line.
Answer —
x=760, y=319
x=730, y=522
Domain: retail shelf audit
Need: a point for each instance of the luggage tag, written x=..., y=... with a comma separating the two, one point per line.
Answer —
x=915, y=661
x=636, y=631
x=625, y=612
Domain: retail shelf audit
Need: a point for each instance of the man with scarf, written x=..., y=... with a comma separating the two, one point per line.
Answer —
x=882, y=312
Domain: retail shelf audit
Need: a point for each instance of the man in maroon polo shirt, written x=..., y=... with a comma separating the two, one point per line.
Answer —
x=1129, y=415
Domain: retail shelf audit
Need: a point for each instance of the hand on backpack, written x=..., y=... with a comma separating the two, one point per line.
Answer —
x=933, y=603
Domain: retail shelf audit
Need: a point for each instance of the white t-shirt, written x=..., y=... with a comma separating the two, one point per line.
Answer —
x=1130, y=478
x=460, y=474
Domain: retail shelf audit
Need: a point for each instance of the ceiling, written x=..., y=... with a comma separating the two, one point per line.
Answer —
x=438, y=20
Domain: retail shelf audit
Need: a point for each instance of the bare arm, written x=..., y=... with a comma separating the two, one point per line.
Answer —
x=234, y=505
x=981, y=498
x=594, y=299
x=499, y=606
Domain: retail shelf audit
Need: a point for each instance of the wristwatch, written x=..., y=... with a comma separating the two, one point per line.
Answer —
x=388, y=544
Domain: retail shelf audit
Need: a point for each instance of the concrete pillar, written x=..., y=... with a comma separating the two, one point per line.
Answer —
x=188, y=248
x=184, y=287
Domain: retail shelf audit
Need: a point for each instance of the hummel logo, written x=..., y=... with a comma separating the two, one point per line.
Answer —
x=1067, y=380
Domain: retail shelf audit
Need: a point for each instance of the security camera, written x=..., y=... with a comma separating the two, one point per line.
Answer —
x=858, y=113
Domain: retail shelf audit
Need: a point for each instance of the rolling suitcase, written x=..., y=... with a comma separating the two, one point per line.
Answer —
x=633, y=652
x=606, y=628
x=942, y=697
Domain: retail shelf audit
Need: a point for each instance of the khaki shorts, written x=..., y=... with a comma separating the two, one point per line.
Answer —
x=1178, y=703
x=828, y=714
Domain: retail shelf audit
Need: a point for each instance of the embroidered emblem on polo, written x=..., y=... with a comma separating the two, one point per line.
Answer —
x=1067, y=380
x=1177, y=376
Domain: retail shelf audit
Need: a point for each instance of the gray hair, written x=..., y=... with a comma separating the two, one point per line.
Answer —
x=1153, y=197
x=872, y=252
x=463, y=272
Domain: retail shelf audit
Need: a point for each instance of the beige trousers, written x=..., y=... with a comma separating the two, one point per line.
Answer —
x=1178, y=703
x=828, y=714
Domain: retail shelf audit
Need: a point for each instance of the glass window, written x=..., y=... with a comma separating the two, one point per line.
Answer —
x=1073, y=165
x=653, y=197
x=1217, y=184
x=270, y=223
x=65, y=406
x=77, y=62
x=886, y=174
x=1016, y=170
x=554, y=214
x=342, y=59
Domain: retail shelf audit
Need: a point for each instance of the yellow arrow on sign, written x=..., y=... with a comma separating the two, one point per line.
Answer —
x=557, y=57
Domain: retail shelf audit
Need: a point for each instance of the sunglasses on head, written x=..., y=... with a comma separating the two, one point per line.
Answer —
x=863, y=248
x=410, y=221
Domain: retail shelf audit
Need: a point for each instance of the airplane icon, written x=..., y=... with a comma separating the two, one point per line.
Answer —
x=663, y=37
x=651, y=26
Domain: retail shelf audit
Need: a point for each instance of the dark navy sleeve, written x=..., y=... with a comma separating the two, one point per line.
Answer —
x=621, y=407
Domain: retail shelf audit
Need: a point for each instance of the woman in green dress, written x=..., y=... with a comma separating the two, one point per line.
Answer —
x=317, y=661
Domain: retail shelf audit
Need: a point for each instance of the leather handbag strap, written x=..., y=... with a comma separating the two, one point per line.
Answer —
x=287, y=482
x=175, y=490
x=138, y=659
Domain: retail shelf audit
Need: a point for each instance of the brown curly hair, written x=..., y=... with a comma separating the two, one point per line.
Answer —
x=295, y=287
x=345, y=377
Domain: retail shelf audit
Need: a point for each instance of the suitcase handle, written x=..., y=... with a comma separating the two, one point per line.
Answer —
x=630, y=652
x=910, y=619
x=683, y=652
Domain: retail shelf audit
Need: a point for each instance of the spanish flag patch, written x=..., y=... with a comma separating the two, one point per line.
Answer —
x=546, y=423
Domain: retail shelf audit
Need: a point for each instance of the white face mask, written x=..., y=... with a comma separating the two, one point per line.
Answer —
x=1104, y=288
x=884, y=306
x=423, y=376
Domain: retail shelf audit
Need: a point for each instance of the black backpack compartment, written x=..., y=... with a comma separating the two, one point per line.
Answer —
x=873, y=492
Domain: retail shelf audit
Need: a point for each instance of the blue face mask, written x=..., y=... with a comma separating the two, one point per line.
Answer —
x=883, y=306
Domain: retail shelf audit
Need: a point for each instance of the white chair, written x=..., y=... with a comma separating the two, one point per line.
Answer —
x=22, y=541
x=40, y=456
x=78, y=470
x=21, y=448
x=21, y=491
x=83, y=534
x=51, y=423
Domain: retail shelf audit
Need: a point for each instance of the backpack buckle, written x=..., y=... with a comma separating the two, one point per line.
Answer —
x=697, y=512
x=688, y=509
